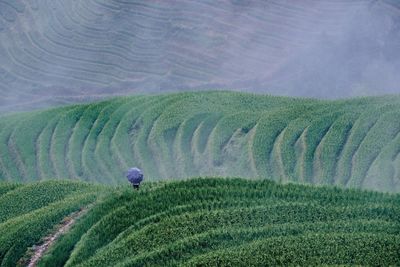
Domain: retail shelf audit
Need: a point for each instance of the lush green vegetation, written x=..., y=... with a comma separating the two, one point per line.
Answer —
x=29, y=212
x=214, y=222
x=351, y=143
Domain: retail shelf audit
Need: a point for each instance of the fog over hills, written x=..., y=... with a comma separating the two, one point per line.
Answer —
x=61, y=51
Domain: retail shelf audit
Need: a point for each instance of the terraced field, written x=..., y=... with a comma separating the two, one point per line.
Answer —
x=200, y=222
x=56, y=51
x=350, y=143
x=29, y=212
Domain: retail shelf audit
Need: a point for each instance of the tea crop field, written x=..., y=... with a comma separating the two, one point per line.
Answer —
x=200, y=222
x=349, y=143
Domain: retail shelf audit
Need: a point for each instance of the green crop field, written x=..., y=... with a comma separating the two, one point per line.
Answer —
x=349, y=143
x=29, y=212
x=267, y=133
x=200, y=222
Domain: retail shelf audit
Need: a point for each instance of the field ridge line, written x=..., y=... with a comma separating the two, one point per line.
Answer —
x=12, y=147
x=277, y=155
x=346, y=143
x=38, y=143
x=379, y=155
x=317, y=165
x=3, y=170
x=84, y=152
x=250, y=146
x=356, y=151
x=302, y=144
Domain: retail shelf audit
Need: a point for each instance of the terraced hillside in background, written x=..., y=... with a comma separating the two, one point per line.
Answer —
x=200, y=222
x=350, y=143
x=57, y=51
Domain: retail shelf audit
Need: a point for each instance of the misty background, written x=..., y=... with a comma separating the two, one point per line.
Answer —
x=56, y=52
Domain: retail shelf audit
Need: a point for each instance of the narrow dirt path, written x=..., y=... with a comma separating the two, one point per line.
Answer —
x=66, y=224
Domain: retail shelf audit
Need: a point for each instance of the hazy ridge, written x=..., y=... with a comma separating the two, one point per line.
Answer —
x=56, y=52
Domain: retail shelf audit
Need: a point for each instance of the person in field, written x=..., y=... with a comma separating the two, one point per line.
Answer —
x=135, y=177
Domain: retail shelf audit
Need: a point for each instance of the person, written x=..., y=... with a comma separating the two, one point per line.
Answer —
x=135, y=177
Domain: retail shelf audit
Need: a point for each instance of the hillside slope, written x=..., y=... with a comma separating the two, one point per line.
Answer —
x=54, y=52
x=351, y=143
x=200, y=222
x=29, y=212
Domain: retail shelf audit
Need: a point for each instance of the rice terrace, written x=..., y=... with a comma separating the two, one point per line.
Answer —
x=199, y=133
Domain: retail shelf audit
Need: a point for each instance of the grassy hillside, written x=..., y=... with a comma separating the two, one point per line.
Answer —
x=29, y=212
x=54, y=52
x=200, y=222
x=351, y=143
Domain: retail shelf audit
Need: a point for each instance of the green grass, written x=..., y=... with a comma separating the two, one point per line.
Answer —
x=220, y=133
x=29, y=212
x=201, y=222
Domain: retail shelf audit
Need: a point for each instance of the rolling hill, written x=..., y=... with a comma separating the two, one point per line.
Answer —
x=200, y=222
x=56, y=52
x=350, y=143
x=29, y=212
x=233, y=176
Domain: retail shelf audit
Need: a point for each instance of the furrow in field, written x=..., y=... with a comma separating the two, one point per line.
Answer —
x=358, y=133
x=330, y=148
x=15, y=156
x=45, y=157
x=291, y=148
x=90, y=167
x=185, y=226
x=269, y=127
x=39, y=159
x=276, y=160
x=108, y=5
x=69, y=64
x=227, y=140
x=333, y=151
x=60, y=139
x=85, y=251
x=42, y=145
x=232, y=242
x=103, y=148
x=78, y=140
x=209, y=163
x=35, y=66
x=197, y=154
x=380, y=173
x=107, y=168
x=126, y=132
x=159, y=148
x=183, y=154
x=396, y=175
x=302, y=244
x=149, y=155
x=316, y=131
x=26, y=136
x=4, y=173
x=250, y=145
x=8, y=163
x=300, y=151
x=383, y=131
x=120, y=48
